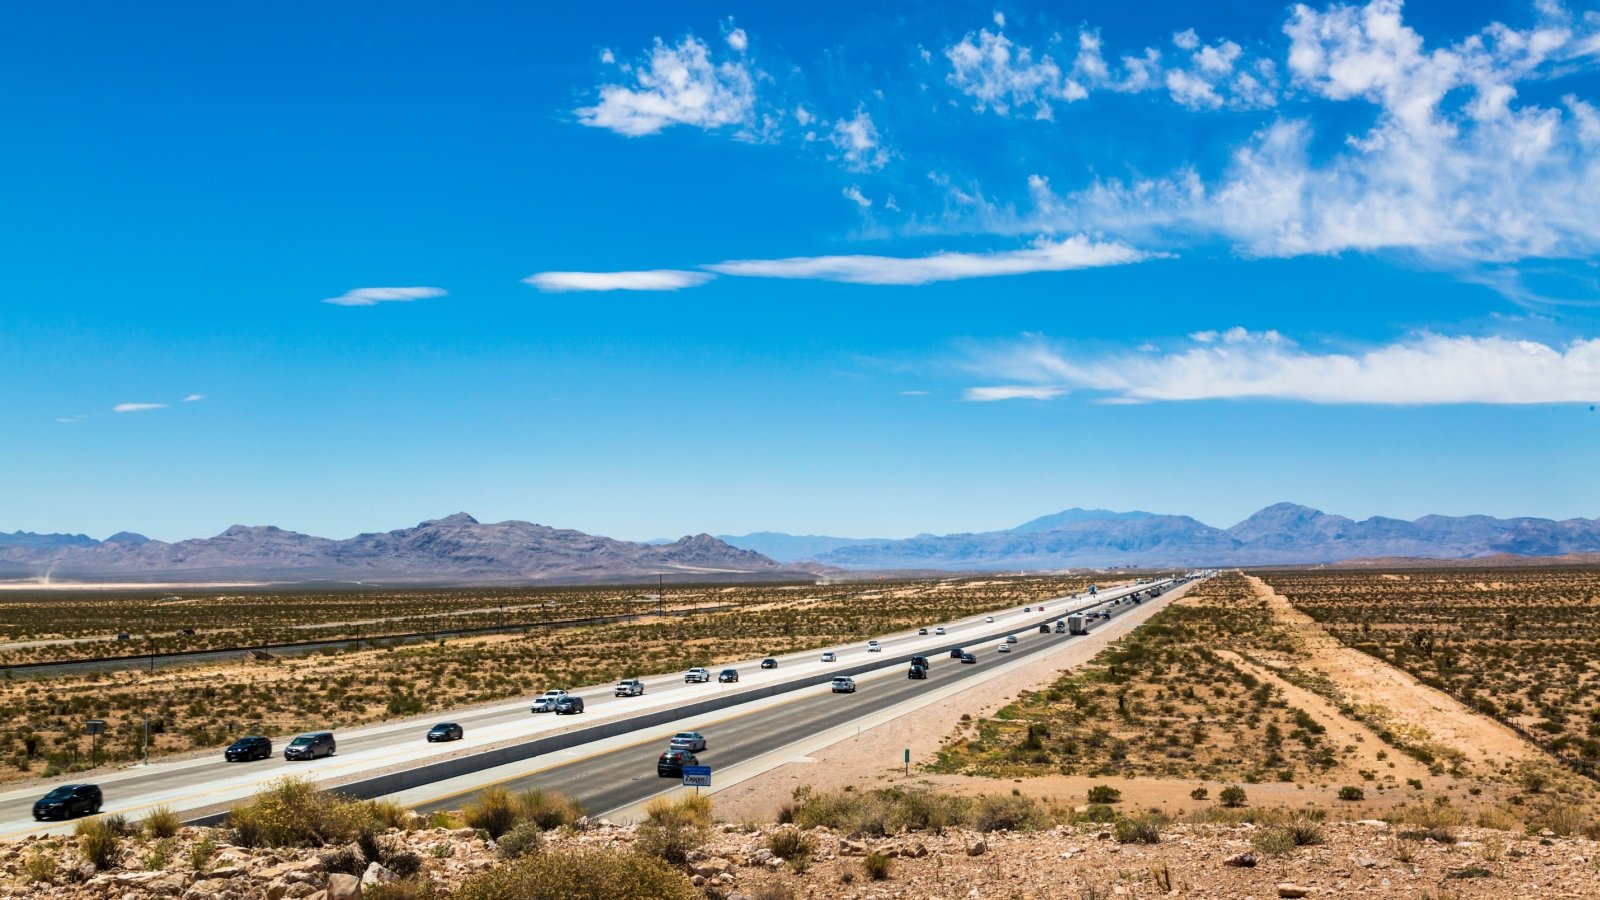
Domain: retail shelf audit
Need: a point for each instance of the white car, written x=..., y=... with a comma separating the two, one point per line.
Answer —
x=989, y=619
x=697, y=674
x=546, y=702
x=844, y=685
x=874, y=647
x=1011, y=639
x=939, y=630
x=829, y=656
x=1004, y=648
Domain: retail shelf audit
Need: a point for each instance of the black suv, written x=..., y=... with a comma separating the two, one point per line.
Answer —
x=728, y=676
x=68, y=801
x=311, y=746
x=921, y=661
x=955, y=652
x=248, y=748
x=569, y=705
x=446, y=731
x=918, y=672
x=671, y=763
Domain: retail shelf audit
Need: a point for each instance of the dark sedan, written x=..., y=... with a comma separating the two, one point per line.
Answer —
x=247, y=748
x=671, y=763
x=68, y=801
x=446, y=731
x=769, y=663
x=969, y=658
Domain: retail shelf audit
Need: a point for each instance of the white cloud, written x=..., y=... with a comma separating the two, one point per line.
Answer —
x=649, y=280
x=194, y=398
x=1238, y=364
x=677, y=86
x=1013, y=392
x=372, y=296
x=1077, y=252
x=71, y=420
x=736, y=37
x=857, y=138
x=137, y=407
x=914, y=393
x=854, y=195
x=1454, y=169
x=1001, y=76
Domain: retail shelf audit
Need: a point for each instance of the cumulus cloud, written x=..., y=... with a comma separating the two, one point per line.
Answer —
x=857, y=140
x=677, y=85
x=372, y=296
x=649, y=280
x=1077, y=252
x=1005, y=77
x=137, y=407
x=1240, y=364
x=1454, y=168
x=854, y=195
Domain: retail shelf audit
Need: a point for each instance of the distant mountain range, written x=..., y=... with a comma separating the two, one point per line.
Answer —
x=458, y=549
x=461, y=550
x=1284, y=533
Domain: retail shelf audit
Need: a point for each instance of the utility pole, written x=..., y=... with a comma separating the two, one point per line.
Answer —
x=661, y=595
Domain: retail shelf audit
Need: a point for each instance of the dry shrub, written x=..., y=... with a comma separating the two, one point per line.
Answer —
x=791, y=844
x=877, y=865
x=547, y=809
x=672, y=828
x=1273, y=841
x=1563, y=818
x=1499, y=818
x=1144, y=829
x=405, y=889
x=580, y=875
x=162, y=822
x=291, y=812
x=39, y=868
x=491, y=811
x=523, y=840
x=99, y=843
x=1002, y=813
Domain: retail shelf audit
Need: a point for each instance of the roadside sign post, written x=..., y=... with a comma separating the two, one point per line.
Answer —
x=908, y=760
x=95, y=727
x=697, y=777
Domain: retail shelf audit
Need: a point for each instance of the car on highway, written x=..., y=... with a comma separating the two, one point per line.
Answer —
x=670, y=764
x=1027, y=609
x=569, y=706
x=1011, y=639
x=874, y=647
x=844, y=684
x=921, y=661
x=1044, y=628
x=446, y=731
x=769, y=663
x=955, y=652
x=697, y=675
x=922, y=632
x=830, y=656
x=1005, y=648
x=939, y=630
x=248, y=748
x=1061, y=626
x=969, y=658
x=546, y=701
x=916, y=671
x=693, y=741
x=68, y=801
x=989, y=619
x=629, y=687
x=728, y=676
x=311, y=746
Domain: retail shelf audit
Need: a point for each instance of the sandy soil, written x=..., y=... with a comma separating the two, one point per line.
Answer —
x=1486, y=744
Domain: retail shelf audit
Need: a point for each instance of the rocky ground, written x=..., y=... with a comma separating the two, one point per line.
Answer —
x=1356, y=859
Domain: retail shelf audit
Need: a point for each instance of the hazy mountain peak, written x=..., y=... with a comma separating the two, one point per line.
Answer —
x=127, y=537
x=453, y=521
x=1078, y=514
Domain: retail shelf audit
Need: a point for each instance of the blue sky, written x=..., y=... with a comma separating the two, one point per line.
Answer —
x=868, y=269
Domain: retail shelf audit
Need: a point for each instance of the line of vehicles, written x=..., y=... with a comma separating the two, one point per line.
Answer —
x=71, y=800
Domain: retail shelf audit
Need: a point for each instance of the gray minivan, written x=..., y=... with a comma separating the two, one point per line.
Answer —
x=311, y=746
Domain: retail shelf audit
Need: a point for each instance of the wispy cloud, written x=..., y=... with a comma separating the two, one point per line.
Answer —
x=194, y=398
x=1077, y=252
x=648, y=280
x=1240, y=364
x=137, y=407
x=71, y=420
x=854, y=195
x=372, y=296
x=1013, y=392
x=677, y=85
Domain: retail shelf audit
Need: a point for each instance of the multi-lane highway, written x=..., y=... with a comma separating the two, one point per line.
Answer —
x=602, y=779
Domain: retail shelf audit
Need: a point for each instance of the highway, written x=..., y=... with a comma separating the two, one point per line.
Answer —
x=208, y=783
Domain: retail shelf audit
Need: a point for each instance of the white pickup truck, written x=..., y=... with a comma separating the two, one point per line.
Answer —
x=630, y=687
x=697, y=674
